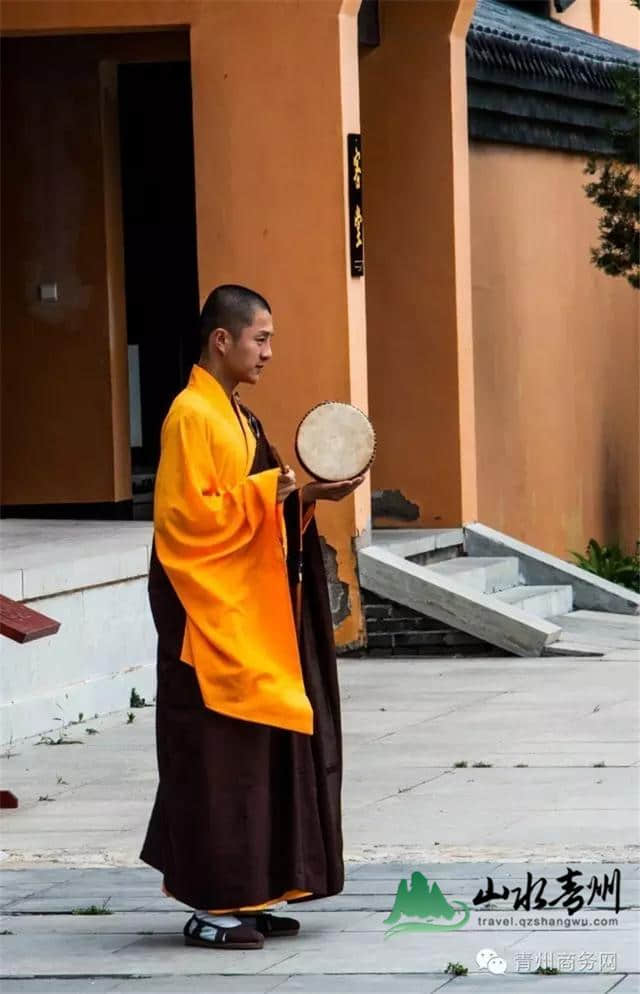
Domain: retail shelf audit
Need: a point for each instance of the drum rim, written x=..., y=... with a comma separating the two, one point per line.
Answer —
x=326, y=403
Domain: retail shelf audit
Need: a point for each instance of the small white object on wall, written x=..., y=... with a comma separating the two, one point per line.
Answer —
x=48, y=292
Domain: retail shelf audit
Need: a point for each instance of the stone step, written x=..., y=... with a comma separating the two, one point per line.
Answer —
x=438, y=592
x=484, y=574
x=421, y=545
x=590, y=592
x=565, y=647
x=543, y=601
x=397, y=625
x=442, y=636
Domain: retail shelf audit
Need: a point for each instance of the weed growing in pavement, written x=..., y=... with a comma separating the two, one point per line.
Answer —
x=136, y=701
x=94, y=909
x=62, y=738
x=9, y=753
x=457, y=969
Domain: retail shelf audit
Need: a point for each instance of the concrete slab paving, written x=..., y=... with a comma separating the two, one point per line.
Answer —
x=334, y=942
x=628, y=985
x=406, y=808
x=322, y=984
x=57, y=985
x=581, y=984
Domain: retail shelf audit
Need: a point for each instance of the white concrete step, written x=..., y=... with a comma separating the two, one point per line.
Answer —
x=485, y=574
x=590, y=592
x=410, y=542
x=437, y=592
x=566, y=647
x=543, y=601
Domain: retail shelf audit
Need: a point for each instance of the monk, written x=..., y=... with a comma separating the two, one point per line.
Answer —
x=248, y=728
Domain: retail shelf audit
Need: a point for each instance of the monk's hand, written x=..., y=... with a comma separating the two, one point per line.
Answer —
x=330, y=491
x=286, y=484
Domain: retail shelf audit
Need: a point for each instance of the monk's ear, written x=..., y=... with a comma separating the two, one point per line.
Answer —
x=220, y=340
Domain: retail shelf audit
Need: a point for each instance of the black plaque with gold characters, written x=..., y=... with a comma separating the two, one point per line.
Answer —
x=356, y=233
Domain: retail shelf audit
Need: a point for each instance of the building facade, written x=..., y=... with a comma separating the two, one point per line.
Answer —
x=155, y=148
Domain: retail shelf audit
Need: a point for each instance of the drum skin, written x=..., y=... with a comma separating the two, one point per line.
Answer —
x=335, y=441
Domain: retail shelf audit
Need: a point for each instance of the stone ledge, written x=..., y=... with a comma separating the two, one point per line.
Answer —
x=44, y=558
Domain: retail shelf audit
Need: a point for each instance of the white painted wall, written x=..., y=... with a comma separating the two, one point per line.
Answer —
x=92, y=578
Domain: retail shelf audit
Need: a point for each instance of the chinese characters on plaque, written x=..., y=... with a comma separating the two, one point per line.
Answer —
x=356, y=221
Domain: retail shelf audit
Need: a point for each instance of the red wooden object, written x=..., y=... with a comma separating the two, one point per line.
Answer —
x=22, y=623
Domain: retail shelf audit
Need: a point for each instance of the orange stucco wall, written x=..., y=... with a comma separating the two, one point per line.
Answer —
x=581, y=14
x=65, y=431
x=269, y=139
x=556, y=357
x=617, y=20
x=413, y=103
x=271, y=212
x=620, y=21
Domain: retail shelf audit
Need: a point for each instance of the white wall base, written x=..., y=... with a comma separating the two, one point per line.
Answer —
x=106, y=645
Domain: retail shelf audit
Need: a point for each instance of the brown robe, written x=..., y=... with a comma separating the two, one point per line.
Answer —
x=246, y=812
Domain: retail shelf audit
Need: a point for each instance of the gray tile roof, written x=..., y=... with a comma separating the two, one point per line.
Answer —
x=513, y=40
x=536, y=81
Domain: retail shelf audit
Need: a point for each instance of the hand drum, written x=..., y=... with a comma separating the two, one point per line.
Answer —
x=335, y=441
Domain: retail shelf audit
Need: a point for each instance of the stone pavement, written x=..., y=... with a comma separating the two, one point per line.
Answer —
x=562, y=789
x=343, y=944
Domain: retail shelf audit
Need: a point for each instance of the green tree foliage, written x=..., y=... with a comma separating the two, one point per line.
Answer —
x=615, y=190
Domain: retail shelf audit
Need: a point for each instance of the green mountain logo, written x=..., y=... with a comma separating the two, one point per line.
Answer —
x=427, y=903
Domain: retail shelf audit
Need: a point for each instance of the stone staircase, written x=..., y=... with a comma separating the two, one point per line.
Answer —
x=474, y=591
x=396, y=630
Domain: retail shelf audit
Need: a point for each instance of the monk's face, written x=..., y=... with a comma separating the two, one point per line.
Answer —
x=249, y=354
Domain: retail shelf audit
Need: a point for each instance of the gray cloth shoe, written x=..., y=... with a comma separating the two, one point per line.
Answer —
x=200, y=933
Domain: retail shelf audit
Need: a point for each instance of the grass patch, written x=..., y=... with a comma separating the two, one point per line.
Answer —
x=136, y=701
x=94, y=909
x=62, y=740
x=9, y=753
x=457, y=969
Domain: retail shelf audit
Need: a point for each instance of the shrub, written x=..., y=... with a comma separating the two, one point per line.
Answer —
x=610, y=562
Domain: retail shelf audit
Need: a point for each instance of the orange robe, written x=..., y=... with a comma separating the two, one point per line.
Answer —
x=220, y=536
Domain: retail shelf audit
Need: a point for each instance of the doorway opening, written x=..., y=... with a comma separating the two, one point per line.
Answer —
x=160, y=254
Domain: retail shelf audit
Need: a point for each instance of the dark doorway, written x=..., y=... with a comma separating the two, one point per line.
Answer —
x=161, y=277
